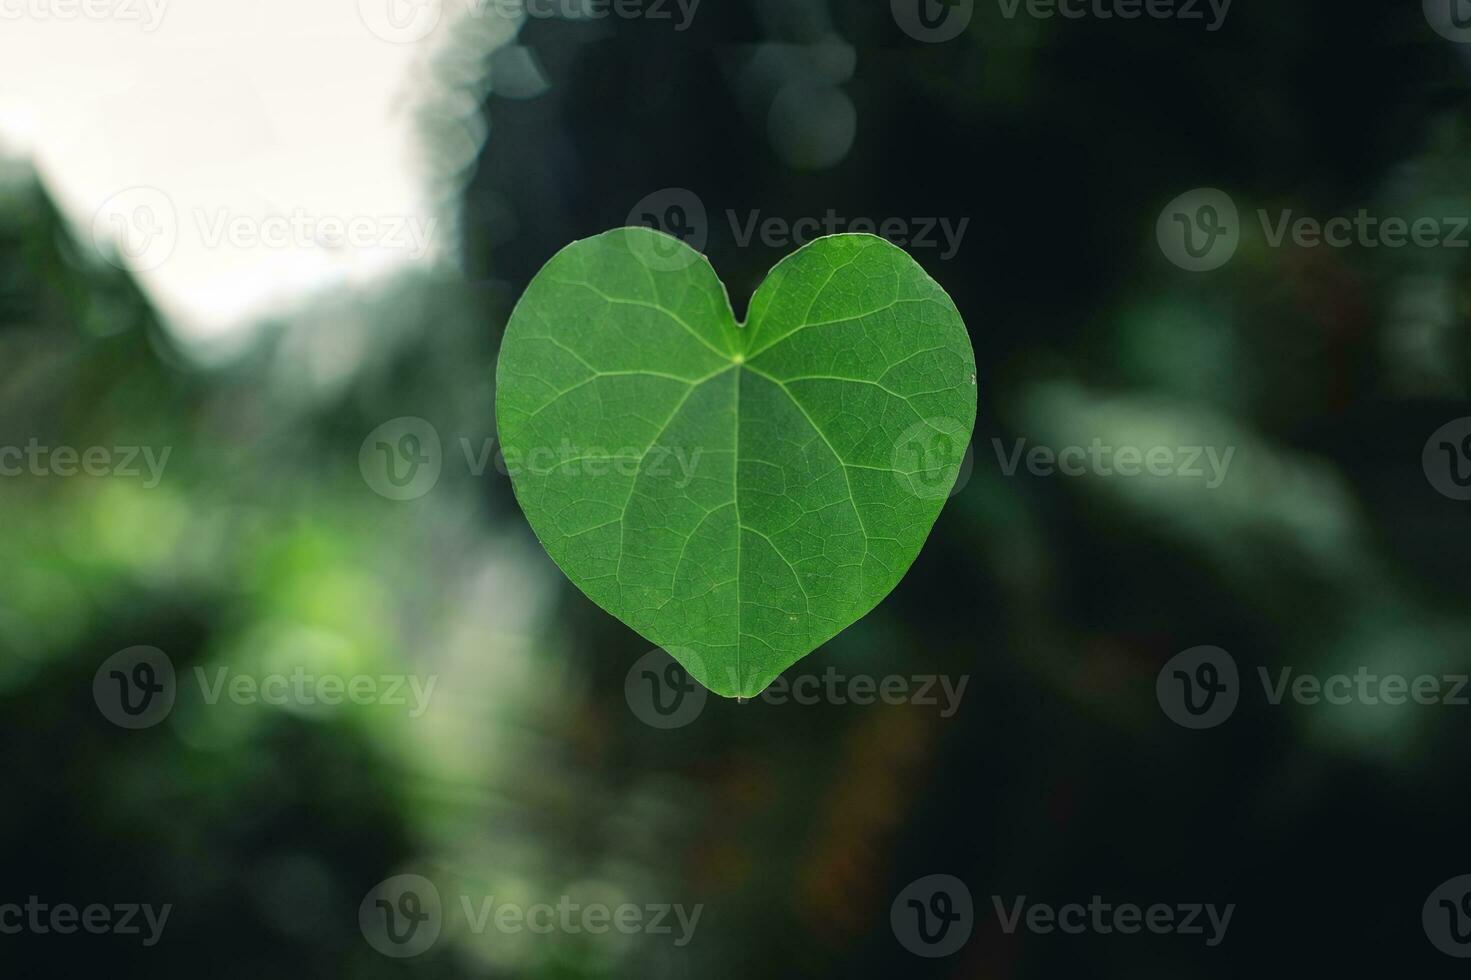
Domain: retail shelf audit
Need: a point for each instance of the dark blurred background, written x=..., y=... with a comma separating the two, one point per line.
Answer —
x=1330, y=545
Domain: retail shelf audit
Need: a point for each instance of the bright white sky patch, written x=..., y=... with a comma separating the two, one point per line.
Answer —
x=240, y=155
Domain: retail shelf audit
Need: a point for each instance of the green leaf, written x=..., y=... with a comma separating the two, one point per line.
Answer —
x=736, y=494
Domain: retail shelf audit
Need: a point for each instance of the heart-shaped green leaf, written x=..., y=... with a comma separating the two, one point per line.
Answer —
x=736, y=494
